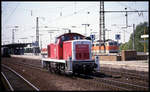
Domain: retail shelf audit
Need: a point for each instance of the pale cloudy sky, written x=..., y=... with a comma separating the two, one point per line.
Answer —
x=58, y=15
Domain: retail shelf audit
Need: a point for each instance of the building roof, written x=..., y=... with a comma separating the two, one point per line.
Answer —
x=15, y=45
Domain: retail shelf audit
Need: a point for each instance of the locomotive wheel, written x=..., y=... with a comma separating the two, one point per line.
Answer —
x=52, y=70
x=46, y=66
x=75, y=73
x=58, y=70
x=49, y=67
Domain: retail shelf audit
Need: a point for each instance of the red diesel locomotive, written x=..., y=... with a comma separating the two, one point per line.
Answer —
x=70, y=53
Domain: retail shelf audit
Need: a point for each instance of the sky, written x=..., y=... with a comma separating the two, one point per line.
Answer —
x=67, y=15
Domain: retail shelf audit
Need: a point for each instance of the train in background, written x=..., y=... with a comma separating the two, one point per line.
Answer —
x=71, y=53
x=5, y=52
x=110, y=47
x=44, y=52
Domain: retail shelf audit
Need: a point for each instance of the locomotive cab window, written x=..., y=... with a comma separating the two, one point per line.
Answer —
x=61, y=43
x=62, y=38
x=67, y=38
x=56, y=40
x=75, y=38
x=97, y=44
x=110, y=43
x=78, y=37
x=115, y=43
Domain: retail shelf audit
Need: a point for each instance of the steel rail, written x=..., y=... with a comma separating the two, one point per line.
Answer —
x=32, y=66
x=113, y=86
x=21, y=77
x=141, y=79
x=7, y=81
x=117, y=82
x=103, y=79
x=137, y=76
x=126, y=83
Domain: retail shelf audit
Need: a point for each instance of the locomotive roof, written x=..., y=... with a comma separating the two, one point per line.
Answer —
x=69, y=34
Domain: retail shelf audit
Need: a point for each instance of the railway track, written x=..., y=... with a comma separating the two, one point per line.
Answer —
x=102, y=81
x=127, y=74
x=121, y=85
x=112, y=71
x=15, y=81
x=114, y=84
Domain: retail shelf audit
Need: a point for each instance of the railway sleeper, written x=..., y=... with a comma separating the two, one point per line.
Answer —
x=122, y=84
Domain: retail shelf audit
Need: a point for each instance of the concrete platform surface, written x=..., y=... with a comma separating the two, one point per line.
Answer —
x=139, y=65
x=28, y=56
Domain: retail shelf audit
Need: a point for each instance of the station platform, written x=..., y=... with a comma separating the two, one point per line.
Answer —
x=139, y=65
x=28, y=56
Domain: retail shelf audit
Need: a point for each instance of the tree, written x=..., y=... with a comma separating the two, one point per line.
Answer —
x=139, y=46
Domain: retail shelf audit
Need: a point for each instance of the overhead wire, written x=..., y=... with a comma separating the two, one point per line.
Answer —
x=134, y=18
x=11, y=13
x=58, y=18
x=139, y=13
x=72, y=14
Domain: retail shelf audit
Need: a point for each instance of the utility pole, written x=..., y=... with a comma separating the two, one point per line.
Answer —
x=124, y=36
x=36, y=50
x=13, y=35
x=102, y=26
x=126, y=17
x=144, y=42
x=126, y=22
x=108, y=32
x=41, y=40
x=37, y=36
x=85, y=28
x=14, y=28
x=145, y=36
x=37, y=31
x=102, y=20
x=133, y=42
